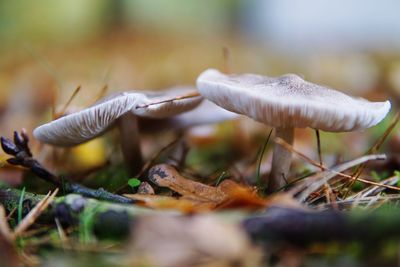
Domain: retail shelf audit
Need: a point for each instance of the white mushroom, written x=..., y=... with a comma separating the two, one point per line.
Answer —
x=122, y=109
x=205, y=113
x=287, y=102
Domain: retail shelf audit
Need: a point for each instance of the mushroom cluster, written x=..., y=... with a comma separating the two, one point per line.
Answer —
x=176, y=108
x=284, y=102
x=121, y=110
x=288, y=102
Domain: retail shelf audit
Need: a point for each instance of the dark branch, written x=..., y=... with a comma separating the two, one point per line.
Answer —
x=22, y=156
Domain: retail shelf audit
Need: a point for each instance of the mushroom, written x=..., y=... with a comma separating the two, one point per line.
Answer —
x=205, y=113
x=120, y=110
x=287, y=102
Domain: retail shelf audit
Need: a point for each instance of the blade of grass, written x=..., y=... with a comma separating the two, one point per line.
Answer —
x=319, y=147
x=262, y=151
x=220, y=178
x=20, y=202
x=86, y=224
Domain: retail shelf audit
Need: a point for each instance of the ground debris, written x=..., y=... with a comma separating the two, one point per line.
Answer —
x=195, y=195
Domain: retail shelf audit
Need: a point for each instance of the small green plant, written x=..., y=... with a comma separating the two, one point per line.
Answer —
x=134, y=182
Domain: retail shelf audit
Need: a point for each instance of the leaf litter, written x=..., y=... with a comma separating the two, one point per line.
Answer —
x=199, y=230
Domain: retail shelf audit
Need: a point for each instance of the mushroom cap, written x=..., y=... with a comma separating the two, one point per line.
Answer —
x=93, y=121
x=205, y=113
x=290, y=101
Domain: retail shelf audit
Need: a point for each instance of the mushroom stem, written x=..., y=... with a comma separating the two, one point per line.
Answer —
x=281, y=160
x=130, y=142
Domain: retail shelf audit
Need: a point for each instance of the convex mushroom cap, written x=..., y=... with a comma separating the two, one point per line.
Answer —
x=93, y=121
x=287, y=102
x=290, y=101
x=122, y=110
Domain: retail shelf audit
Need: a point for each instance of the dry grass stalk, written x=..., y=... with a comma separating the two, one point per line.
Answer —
x=360, y=202
x=374, y=149
x=313, y=183
x=374, y=190
x=5, y=229
x=102, y=93
x=61, y=113
x=332, y=170
x=34, y=214
x=171, y=100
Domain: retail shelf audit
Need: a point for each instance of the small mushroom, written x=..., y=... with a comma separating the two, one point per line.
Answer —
x=122, y=110
x=287, y=102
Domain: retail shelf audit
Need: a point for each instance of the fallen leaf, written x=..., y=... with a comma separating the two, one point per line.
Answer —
x=228, y=194
x=172, y=203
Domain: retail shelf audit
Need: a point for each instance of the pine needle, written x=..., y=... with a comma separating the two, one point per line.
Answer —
x=373, y=150
x=31, y=217
x=316, y=164
x=64, y=109
x=191, y=95
x=4, y=227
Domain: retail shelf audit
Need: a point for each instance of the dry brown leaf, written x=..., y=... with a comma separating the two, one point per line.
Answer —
x=236, y=195
x=166, y=176
x=166, y=202
x=228, y=194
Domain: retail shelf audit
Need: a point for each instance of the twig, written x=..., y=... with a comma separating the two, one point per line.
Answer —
x=22, y=156
x=300, y=227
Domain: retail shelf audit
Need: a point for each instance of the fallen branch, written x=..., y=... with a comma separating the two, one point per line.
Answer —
x=22, y=156
x=300, y=227
x=110, y=219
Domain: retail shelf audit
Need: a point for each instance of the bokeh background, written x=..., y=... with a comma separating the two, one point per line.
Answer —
x=50, y=47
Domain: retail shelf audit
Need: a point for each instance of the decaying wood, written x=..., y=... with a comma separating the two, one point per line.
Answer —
x=109, y=217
